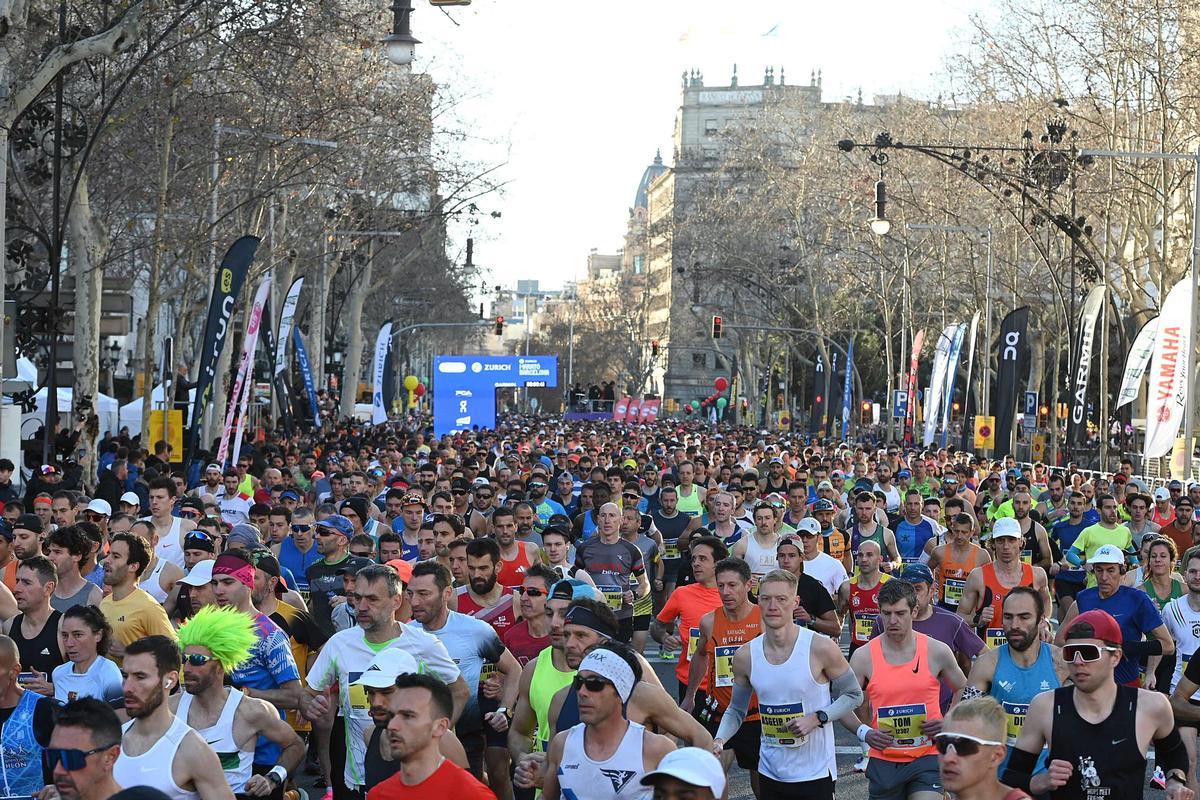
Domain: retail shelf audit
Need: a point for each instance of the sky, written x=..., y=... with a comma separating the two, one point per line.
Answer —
x=573, y=98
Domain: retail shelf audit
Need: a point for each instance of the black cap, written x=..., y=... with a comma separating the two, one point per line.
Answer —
x=461, y=483
x=30, y=522
x=192, y=502
x=199, y=540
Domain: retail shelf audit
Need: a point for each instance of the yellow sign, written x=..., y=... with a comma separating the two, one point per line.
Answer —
x=985, y=432
x=1179, y=453
x=174, y=430
x=904, y=724
x=1039, y=447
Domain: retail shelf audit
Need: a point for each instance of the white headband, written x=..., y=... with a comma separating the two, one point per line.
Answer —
x=608, y=664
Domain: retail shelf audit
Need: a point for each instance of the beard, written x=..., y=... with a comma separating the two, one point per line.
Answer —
x=483, y=585
x=1022, y=642
x=150, y=706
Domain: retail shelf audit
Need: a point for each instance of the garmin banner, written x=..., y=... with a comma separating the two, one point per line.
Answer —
x=227, y=285
x=1136, y=363
x=1077, y=422
x=464, y=387
x=1014, y=363
x=307, y=373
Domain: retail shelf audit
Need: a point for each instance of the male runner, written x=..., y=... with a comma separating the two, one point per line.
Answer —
x=604, y=756
x=815, y=608
x=1036, y=545
x=483, y=597
x=170, y=528
x=1108, y=530
x=902, y=671
x=803, y=683
x=970, y=746
x=616, y=566
x=821, y=566
x=1098, y=731
x=677, y=626
x=983, y=596
x=864, y=594
x=834, y=543
x=158, y=749
x=671, y=524
x=916, y=534
x=954, y=561
x=758, y=549
x=1016, y=671
x=515, y=556
x=722, y=631
x=215, y=642
x=867, y=528
x=1132, y=608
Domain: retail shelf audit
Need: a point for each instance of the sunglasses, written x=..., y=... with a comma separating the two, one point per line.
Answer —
x=963, y=744
x=95, y=517
x=593, y=684
x=196, y=659
x=198, y=534
x=483, y=495
x=71, y=759
x=459, y=492
x=532, y=592
x=1085, y=653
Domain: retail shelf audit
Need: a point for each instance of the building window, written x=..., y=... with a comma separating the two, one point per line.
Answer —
x=709, y=153
x=710, y=127
x=638, y=265
x=699, y=360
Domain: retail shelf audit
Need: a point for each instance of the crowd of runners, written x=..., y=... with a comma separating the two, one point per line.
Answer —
x=381, y=614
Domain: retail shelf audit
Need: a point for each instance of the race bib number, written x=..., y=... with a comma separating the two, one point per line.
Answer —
x=693, y=640
x=994, y=637
x=671, y=549
x=904, y=724
x=486, y=671
x=1014, y=714
x=723, y=668
x=775, y=721
x=614, y=596
x=358, y=698
x=952, y=592
x=864, y=625
x=1027, y=557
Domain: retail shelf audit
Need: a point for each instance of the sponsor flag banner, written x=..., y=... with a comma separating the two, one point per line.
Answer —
x=1077, y=422
x=227, y=285
x=968, y=393
x=818, y=403
x=286, y=317
x=621, y=408
x=240, y=396
x=1169, y=370
x=1136, y=363
x=1014, y=363
x=951, y=374
x=937, y=383
x=650, y=410
x=985, y=432
x=635, y=408
x=914, y=361
x=307, y=374
x=383, y=341
x=848, y=390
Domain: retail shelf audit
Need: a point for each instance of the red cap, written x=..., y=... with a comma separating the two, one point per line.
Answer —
x=1104, y=627
x=403, y=568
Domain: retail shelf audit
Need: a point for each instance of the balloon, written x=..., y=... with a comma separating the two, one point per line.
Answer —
x=410, y=382
x=722, y=402
x=687, y=409
x=721, y=384
x=695, y=405
x=419, y=391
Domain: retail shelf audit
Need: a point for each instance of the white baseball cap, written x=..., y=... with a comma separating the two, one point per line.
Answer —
x=808, y=525
x=201, y=573
x=99, y=506
x=1107, y=554
x=131, y=498
x=692, y=766
x=1007, y=526
x=1161, y=493
x=382, y=671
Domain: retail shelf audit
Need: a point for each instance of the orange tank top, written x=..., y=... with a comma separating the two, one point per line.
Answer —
x=903, y=697
x=952, y=575
x=994, y=635
x=727, y=637
x=512, y=573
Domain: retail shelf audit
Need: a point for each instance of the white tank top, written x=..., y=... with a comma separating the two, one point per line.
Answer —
x=154, y=767
x=151, y=584
x=617, y=778
x=785, y=691
x=761, y=559
x=170, y=545
x=238, y=764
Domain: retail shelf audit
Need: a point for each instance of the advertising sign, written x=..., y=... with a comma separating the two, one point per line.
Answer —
x=464, y=387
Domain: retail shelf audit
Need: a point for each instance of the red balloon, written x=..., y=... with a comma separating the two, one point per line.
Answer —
x=687, y=409
x=420, y=390
x=721, y=384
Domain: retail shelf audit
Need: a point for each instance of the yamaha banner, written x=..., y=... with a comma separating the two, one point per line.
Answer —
x=231, y=275
x=1077, y=422
x=307, y=373
x=1014, y=363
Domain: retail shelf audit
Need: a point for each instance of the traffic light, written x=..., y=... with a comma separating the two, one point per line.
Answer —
x=654, y=348
x=499, y=326
x=717, y=327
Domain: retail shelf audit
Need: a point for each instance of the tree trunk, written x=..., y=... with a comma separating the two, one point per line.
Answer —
x=156, y=259
x=86, y=249
x=360, y=287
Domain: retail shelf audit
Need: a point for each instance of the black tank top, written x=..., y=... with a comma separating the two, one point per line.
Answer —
x=40, y=653
x=375, y=769
x=568, y=715
x=1106, y=758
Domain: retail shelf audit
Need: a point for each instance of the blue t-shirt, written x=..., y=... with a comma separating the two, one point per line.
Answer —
x=1134, y=611
x=476, y=650
x=911, y=539
x=1066, y=533
x=269, y=666
x=546, y=509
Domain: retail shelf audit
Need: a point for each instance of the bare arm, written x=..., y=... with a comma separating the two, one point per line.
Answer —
x=524, y=722
x=698, y=666
x=981, y=675
x=266, y=721
x=660, y=708
x=288, y=695
x=828, y=624
x=1185, y=712
x=972, y=595
x=460, y=694
x=203, y=769
x=550, y=789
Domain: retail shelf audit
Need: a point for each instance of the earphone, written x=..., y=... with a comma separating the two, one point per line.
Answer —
x=167, y=683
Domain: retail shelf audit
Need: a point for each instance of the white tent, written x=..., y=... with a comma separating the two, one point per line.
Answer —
x=106, y=407
x=131, y=413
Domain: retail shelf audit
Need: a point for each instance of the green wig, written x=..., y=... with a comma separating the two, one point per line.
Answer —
x=226, y=632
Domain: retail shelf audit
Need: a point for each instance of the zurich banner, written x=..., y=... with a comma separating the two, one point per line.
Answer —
x=464, y=387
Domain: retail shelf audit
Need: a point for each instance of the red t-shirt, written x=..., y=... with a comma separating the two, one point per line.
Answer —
x=523, y=646
x=447, y=781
